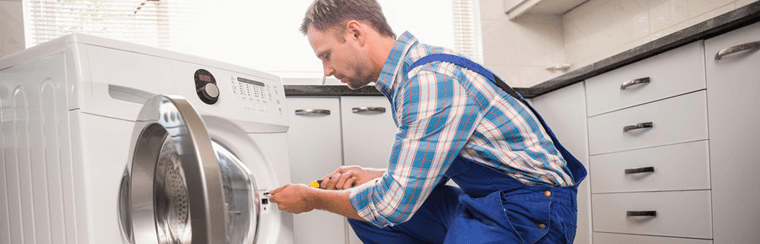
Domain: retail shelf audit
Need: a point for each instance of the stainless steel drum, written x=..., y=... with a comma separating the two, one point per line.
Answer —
x=179, y=186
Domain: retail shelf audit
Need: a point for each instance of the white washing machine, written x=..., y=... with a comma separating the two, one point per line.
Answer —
x=90, y=153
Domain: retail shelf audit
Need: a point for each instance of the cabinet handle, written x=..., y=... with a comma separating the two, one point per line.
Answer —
x=634, y=82
x=638, y=126
x=641, y=213
x=312, y=111
x=737, y=48
x=368, y=109
x=640, y=170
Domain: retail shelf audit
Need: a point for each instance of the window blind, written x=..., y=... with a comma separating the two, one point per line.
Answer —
x=137, y=21
x=467, y=37
x=261, y=34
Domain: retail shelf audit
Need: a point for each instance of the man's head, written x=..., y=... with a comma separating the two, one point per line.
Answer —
x=327, y=14
x=349, y=36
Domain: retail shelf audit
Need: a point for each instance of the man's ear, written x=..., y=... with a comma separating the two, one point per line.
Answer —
x=356, y=31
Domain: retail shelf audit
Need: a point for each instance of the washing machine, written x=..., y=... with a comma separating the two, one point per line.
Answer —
x=105, y=141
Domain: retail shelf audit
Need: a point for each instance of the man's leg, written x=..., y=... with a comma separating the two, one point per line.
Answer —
x=428, y=225
x=527, y=217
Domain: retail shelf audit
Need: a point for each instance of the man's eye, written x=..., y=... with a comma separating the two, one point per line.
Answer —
x=327, y=56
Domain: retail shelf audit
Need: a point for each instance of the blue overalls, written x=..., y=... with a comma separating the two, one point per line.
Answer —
x=490, y=206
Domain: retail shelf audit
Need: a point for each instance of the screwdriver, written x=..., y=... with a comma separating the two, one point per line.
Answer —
x=317, y=183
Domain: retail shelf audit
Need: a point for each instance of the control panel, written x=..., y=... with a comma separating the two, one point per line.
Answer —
x=258, y=96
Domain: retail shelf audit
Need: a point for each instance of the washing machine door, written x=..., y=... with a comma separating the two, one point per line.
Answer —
x=178, y=186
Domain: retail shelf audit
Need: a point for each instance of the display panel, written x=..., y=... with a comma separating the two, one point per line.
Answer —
x=252, y=82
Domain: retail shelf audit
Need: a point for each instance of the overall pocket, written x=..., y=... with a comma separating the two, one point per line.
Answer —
x=531, y=217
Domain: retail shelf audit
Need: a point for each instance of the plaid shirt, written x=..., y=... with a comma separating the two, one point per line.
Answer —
x=444, y=111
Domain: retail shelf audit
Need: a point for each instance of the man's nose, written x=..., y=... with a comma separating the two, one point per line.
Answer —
x=328, y=70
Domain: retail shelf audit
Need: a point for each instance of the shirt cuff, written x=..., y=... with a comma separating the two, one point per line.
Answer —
x=361, y=200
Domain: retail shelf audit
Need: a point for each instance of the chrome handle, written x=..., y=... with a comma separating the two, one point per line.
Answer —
x=638, y=126
x=312, y=111
x=634, y=82
x=640, y=170
x=641, y=213
x=737, y=48
x=368, y=109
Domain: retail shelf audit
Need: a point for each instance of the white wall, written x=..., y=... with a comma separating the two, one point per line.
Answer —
x=519, y=51
x=599, y=29
x=11, y=27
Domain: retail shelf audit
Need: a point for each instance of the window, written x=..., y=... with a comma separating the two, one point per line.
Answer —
x=261, y=34
x=137, y=21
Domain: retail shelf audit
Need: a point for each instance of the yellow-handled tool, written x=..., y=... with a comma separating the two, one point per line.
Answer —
x=317, y=183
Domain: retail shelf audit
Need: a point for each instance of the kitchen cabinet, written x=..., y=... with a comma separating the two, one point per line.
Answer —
x=368, y=131
x=733, y=84
x=564, y=111
x=516, y=8
x=314, y=146
x=326, y=133
x=649, y=150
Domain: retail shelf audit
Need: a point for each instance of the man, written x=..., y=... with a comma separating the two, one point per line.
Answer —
x=518, y=185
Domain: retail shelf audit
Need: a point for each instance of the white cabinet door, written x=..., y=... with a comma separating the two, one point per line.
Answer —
x=368, y=135
x=564, y=111
x=733, y=83
x=368, y=131
x=315, y=150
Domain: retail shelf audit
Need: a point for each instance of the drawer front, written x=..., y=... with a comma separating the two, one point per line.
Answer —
x=609, y=238
x=678, y=214
x=679, y=119
x=682, y=166
x=671, y=73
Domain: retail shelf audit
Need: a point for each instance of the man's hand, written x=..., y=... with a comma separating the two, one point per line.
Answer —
x=348, y=177
x=293, y=198
x=301, y=198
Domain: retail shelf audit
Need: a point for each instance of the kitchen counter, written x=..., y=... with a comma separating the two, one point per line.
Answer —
x=724, y=23
x=343, y=90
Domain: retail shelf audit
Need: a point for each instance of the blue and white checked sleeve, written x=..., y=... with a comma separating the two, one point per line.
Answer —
x=437, y=116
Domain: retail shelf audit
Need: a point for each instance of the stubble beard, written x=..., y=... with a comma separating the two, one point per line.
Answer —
x=363, y=77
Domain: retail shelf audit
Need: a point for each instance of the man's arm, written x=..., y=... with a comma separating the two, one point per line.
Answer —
x=301, y=198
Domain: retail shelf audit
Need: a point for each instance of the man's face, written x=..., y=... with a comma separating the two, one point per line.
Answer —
x=342, y=57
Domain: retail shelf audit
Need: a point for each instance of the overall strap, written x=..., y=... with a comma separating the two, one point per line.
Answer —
x=469, y=65
x=576, y=168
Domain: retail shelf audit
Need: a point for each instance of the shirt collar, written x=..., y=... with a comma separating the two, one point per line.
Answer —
x=393, y=63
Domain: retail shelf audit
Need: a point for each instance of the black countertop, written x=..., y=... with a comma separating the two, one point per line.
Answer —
x=724, y=23
x=340, y=90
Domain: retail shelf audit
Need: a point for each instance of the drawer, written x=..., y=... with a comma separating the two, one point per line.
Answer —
x=678, y=213
x=609, y=238
x=672, y=73
x=675, y=120
x=684, y=166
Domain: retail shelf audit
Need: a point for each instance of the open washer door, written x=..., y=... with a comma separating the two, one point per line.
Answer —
x=180, y=187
